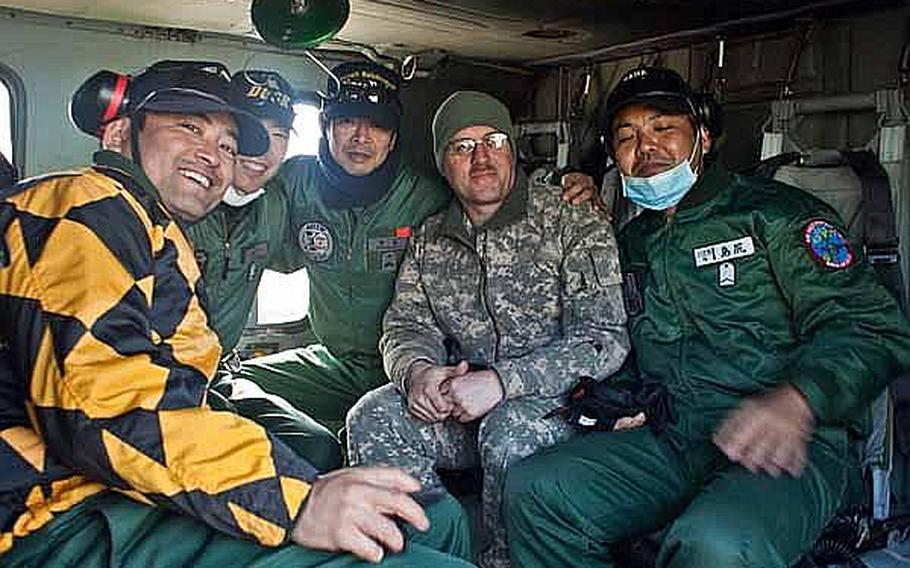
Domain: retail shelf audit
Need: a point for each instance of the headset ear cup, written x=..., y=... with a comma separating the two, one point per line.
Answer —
x=710, y=114
x=101, y=98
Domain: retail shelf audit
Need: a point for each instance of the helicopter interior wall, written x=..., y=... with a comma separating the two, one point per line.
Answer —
x=53, y=56
x=52, y=61
x=837, y=56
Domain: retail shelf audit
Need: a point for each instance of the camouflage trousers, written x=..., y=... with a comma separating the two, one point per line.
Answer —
x=381, y=432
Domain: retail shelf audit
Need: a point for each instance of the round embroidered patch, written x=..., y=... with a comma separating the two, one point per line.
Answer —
x=827, y=245
x=315, y=240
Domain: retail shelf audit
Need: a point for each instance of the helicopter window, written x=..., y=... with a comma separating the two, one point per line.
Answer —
x=11, y=99
x=284, y=298
x=305, y=136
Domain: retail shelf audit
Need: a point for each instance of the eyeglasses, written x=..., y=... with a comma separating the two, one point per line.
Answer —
x=494, y=141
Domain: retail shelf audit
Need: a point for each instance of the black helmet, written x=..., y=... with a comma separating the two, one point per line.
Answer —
x=662, y=89
x=367, y=90
x=265, y=94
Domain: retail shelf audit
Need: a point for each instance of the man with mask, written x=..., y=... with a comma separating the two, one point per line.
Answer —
x=110, y=456
x=503, y=301
x=353, y=208
x=246, y=233
x=769, y=333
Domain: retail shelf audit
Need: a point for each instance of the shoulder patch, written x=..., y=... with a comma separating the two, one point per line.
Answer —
x=827, y=245
x=315, y=240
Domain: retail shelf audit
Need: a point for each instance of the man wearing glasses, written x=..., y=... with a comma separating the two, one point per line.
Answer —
x=502, y=301
x=352, y=210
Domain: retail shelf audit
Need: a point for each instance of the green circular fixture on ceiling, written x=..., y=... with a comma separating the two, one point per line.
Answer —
x=299, y=24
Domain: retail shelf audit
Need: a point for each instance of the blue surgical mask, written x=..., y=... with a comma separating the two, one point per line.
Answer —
x=664, y=190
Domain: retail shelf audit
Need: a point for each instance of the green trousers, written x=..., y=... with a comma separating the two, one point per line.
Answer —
x=303, y=435
x=111, y=531
x=315, y=382
x=566, y=505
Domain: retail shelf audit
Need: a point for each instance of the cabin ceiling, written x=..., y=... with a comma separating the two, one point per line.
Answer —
x=486, y=29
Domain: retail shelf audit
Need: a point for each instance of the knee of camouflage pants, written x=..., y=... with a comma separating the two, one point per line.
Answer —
x=369, y=420
x=516, y=429
x=381, y=431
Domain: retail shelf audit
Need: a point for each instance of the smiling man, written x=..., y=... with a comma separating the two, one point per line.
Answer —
x=190, y=184
x=245, y=234
x=503, y=301
x=770, y=334
x=109, y=455
x=247, y=231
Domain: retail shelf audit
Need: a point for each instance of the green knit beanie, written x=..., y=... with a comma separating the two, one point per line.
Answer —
x=468, y=108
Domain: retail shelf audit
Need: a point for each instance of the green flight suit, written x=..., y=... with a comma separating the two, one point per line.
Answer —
x=748, y=286
x=232, y=246
x=352, y=257
x=113, y=531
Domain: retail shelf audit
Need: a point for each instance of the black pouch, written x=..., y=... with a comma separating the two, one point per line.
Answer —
x=597, y=405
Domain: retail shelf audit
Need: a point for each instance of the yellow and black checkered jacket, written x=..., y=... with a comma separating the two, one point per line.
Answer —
x=105, y=354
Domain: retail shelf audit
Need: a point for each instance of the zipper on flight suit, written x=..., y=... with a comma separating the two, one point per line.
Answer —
x=240, y=218
x=481, y=243
x=349, y=255
x=351, y=238
x=226, y=248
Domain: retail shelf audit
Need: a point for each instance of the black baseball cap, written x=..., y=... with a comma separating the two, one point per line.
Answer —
x=662, y=89
x=367, y=90
x=265, y=94
x=188, y=87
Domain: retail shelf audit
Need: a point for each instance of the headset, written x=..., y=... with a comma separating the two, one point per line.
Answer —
x=708, y=113
x=100, y=99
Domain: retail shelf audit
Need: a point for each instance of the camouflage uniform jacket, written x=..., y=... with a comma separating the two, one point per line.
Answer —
x=535, y=293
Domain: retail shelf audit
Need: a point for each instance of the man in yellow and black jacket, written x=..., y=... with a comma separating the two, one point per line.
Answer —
x=109, y=455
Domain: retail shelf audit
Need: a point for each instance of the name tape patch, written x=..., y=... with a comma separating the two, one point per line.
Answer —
x=723, y=252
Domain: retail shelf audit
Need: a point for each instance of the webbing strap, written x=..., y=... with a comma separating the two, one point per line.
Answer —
x=879, y=227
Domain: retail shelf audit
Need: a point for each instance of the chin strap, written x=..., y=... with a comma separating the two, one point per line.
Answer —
x=134, y=143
